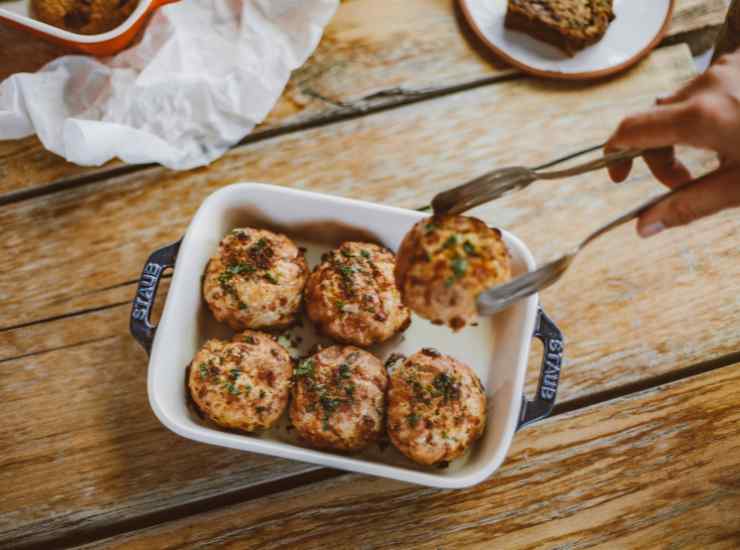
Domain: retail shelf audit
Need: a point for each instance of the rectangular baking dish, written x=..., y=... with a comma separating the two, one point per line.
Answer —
x=18, y=14
x=497, y=349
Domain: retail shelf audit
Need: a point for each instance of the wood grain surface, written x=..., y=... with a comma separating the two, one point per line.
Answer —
x=69, y=365
x=80, y=447
x=657, y=469
x=375, y=53
x=82, y=455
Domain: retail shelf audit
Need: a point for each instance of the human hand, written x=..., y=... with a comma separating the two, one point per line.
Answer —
x=705, y=113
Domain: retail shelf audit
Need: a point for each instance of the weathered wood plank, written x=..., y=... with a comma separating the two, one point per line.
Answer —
x=374, y=53
x=80, y=447
x=655, y=469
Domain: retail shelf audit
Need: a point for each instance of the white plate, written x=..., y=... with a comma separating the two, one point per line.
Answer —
x=637, y=29
x=497, y=349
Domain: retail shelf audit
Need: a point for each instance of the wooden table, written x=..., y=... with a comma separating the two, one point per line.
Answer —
x=397, y=103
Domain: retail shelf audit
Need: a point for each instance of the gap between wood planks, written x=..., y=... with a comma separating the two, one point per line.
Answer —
x=315, y=474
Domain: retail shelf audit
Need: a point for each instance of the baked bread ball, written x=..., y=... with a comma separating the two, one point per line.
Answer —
x=256, y=280
x=436, y=407
x=83, y=16
x=339, y=398
x=352, y=296
x=445, y=262
x=243, y=384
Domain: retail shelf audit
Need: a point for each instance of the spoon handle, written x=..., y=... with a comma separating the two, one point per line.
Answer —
x=591, y=165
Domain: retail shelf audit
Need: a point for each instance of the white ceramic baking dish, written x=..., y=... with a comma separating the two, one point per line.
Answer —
x=497, y=348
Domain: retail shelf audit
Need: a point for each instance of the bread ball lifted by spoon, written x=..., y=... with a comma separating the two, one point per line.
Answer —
x=445, y=262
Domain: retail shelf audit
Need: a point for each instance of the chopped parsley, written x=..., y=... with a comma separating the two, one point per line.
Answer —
x=259, y=245
x=459, y=266
x=329, y=404
x=234, y=373
x=430, y=227
x=350, y=390
x=346, y=253
x=413, y=419
x=203, y=368
x=232, y=389
x=346, y=271
x=241, y=267
x=445, y=385
x=340, y=305
x=469, y=248
x=450, y=242
x=250, y=340
x=344, y=371
x=305, y=368
x=225, y=277
x=242, y=305
x=365, y=254
x=271, y=278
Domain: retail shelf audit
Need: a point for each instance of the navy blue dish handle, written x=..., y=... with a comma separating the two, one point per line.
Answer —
x=552, y=339
x=141, y=326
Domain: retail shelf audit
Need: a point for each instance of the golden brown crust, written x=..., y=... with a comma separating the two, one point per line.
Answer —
x=352, y=296
x=256, y=280
x=570, y=25
x=243, y=384
x=339, y=398
x=436, y=407
x=83, y=16
x=445, y=262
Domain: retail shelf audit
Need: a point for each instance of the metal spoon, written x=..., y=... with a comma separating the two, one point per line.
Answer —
x=492, y=185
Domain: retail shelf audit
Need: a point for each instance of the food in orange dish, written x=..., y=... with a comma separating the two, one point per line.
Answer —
x=83, y=16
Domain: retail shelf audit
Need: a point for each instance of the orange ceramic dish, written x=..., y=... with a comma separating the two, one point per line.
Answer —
x=17, y=14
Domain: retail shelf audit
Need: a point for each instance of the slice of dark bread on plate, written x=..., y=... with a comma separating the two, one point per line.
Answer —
x=570, y=25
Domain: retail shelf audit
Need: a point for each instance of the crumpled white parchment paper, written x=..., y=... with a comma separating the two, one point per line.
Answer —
x=204, y=74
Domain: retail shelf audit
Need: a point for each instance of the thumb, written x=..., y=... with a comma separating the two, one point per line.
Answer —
x=714, y=192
